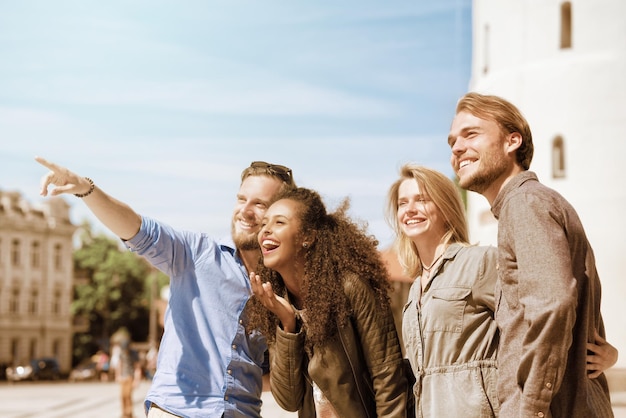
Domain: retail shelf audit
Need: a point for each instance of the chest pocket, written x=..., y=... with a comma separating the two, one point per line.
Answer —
x=443, y=311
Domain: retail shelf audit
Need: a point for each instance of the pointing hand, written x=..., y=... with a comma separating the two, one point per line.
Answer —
x=64, y=180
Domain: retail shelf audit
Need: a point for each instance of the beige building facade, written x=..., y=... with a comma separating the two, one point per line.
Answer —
x=36, y=280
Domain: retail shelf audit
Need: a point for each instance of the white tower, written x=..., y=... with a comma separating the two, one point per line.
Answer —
x=563, y=63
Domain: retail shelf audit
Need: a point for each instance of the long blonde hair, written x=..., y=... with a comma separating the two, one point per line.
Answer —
x=445, y=195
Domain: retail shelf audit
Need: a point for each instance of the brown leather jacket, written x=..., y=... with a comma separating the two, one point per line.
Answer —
x=361, y=372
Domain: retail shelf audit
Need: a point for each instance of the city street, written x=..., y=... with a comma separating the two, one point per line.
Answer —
x=101, y=400
x=85, y=400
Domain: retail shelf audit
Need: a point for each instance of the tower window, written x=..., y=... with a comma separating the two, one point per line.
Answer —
x=558, y=158
x=566, y=25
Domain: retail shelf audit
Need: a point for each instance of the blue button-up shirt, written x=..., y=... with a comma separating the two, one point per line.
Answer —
x=207, y=365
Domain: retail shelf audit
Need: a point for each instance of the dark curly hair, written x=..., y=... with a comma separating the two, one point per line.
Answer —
x=342, y=248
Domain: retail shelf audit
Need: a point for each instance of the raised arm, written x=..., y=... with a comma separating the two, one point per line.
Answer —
x=117, y=216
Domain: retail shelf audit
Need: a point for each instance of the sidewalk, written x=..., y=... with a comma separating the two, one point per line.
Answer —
x=101, y=400
x=616, y=377
x=86, y=399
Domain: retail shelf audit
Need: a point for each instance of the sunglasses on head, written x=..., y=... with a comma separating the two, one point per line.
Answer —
x=274, y=169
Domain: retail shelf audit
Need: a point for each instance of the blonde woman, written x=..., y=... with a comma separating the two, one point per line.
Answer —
x=448, y=325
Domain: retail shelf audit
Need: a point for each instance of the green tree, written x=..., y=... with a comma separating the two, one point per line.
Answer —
x=112, y=292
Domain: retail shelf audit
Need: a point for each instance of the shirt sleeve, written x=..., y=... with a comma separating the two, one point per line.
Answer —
x=547, y=293
x=163, y=246
x=287, y=379
x=381, y=350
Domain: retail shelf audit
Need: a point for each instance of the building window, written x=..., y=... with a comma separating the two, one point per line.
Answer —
x=56, y=348
x=56, y=302
x=33, y=348
x=558, y=158
x=15, y=351
x=14, y=301
x=15, y=252
x=33, y=303
x=35, y=254
x=486, y=50
x=566, y=25
x=58, y=257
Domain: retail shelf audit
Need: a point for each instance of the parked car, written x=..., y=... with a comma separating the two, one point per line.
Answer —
x=44, y=368
x=85, y=370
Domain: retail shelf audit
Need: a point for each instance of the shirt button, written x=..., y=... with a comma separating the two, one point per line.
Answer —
x=540, y=415
x=226, y=398
x=241, y=321
x=549, y=385
x=229, y=371
x=234, y=346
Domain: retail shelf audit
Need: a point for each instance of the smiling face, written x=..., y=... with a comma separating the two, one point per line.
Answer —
x=253, y=199
x=281, y=239
x=418, y=216
x=479, y=153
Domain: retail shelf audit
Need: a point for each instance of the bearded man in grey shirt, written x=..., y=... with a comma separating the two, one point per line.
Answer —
x=548, y=290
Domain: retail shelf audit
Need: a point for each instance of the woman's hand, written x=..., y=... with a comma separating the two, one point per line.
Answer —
x=604, y=356
x=275, y=304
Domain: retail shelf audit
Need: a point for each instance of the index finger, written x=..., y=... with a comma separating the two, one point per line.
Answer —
x=49, y=165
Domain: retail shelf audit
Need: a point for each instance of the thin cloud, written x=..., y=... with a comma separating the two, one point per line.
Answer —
x=269, y=97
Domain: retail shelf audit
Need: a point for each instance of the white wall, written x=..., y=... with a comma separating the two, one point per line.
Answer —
x=578, y=93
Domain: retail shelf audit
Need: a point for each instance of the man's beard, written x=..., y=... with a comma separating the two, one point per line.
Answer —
x=492, y=166
x=244, y=242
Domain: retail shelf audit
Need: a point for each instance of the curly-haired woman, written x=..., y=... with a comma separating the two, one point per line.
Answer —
x=321, y=300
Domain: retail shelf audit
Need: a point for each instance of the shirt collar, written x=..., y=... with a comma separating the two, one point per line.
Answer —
x=226, y=243
x=514, y=183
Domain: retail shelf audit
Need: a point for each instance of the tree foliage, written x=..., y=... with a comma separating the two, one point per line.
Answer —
x=113, y=291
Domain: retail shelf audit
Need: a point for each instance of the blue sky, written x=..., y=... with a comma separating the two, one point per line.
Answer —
x=164, y=103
